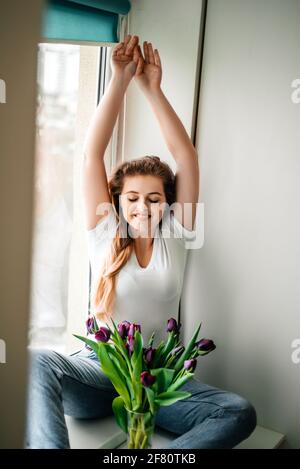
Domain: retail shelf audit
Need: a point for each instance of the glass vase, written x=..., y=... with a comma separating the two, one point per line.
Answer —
x=141, y=427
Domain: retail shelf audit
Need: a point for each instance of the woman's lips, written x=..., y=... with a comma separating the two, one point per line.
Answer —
x=141, y=217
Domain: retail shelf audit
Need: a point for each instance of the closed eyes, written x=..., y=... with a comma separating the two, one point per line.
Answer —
x=152, y=201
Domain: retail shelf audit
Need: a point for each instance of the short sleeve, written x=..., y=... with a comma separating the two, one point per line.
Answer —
x=172, y=228
x=181, y=232
x=100, y=238
x=105, y=228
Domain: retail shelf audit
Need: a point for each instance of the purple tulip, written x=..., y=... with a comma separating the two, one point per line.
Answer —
x=205, y=345
x=123, y=328
x=91, y=325
x=147, y=379
x=177, y=350
x=172, y=325
x=132, y=328
x=130, y=345
x=190, y=365
x=102, y=335
x=149, y=355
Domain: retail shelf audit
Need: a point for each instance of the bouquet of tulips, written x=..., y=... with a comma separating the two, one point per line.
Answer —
x=144, y=377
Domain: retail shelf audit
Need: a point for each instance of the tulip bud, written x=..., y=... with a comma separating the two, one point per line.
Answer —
x=172, y=325
x=190, y=365
x=132, y=328
x=123, y=328
x=130, y=345
x=205, y=345
x=149, y=355
x=177, y=350
x=91, y=324
x=147, y=379
x=103, y=334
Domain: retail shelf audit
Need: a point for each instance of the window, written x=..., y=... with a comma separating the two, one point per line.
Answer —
x=71, y=80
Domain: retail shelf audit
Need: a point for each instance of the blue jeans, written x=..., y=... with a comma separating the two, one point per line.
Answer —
x=75, y=385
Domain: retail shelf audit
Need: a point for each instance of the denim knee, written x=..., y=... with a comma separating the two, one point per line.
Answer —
x=40, y=360
x=245, y=410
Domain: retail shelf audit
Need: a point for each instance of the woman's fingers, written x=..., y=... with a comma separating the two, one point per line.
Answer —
x=140, y=51
x=131, y=45
x=151, y=54
x=157, y=58
x=146, y=53
x=126, y=41
x=136, y=54
x=118, y=48
x=138, y=58
x=140, y=66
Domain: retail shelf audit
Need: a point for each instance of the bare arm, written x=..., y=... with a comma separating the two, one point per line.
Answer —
x=94, y=178
x=175, y=135
x=183, y=151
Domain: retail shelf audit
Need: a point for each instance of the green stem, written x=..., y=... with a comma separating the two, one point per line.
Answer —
x=144, y=442
x=178, y=375
x=139, y=436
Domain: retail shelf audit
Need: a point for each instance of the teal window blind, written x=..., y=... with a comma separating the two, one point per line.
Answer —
x=83, y=20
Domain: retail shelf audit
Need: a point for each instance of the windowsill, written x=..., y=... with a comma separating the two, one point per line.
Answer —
x=106, y=434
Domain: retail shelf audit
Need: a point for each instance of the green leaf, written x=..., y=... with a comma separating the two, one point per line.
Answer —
x=151, y=398
x=169, y=398
x=164, y=378
x=157, y=354
x=138, y=347
x=150, y=343
x=118, y=341
x=91, y=343
x=113, y=374
x=171, y=355
x=115, y=336
x=169, y=345
x=186, y=354
x=120, y=412
x=180, y=382
x=118, y=357
x=120, y=363
x=95, y=323
x=122, y=350
x=202, y=352
x=115, y=328
x=136, y=361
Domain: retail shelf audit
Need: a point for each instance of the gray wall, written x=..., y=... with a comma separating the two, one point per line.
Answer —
x=244, y=282
x=18, y=51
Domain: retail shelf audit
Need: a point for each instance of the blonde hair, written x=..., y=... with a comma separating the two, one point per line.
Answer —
x=122, y=246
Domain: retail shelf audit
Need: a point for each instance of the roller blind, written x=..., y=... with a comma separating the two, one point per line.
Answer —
x=83, y=20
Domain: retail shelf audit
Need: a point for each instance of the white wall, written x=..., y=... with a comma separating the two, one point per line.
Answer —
x=173, y=28
x=244, y=282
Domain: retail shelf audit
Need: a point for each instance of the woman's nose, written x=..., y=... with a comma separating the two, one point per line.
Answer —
x=142, y=207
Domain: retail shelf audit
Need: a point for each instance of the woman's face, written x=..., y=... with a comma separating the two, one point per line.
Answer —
x=143, y=202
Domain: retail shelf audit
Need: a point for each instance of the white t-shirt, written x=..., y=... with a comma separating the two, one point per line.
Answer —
x=147, y=296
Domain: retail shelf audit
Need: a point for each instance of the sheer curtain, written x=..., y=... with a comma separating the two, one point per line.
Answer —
x=58, y=71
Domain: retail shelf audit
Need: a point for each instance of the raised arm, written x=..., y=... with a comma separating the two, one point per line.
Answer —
x=175, y=135
x=124, y=62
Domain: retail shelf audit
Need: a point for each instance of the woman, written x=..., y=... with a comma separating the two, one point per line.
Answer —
x=138, y=257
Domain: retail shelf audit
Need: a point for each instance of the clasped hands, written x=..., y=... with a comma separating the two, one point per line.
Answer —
x=127, y=62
